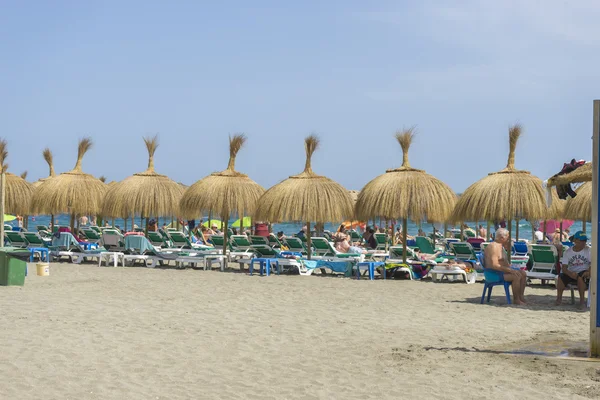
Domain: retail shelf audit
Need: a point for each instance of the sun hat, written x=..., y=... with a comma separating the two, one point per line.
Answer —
x=579, y=235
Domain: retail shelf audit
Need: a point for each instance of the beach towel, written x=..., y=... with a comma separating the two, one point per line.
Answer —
x=336, y=266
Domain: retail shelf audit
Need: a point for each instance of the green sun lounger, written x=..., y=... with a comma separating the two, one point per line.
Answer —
x=425, y=245
x=35, y=240
x=381, y=241
x=274, y=242
x=16, y=239
x=240, y=243
x=157, y=239
x=463, y=251
x=544, y=258
x=180, y=240
x=295, y=244
x=218, y=241
x=91, y=235
x=323, y=247
x=259, y=240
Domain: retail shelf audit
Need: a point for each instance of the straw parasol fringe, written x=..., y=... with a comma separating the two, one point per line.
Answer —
x=18, y=191
x=73, y=192
x=223, y=193
x=504, y=195
x=306, y=197
x=580, y=206
x=147, y=193
x=581, y=174
x=509, y=194
x=405, y=192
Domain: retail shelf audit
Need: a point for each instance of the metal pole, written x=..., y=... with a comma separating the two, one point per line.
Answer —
x=509, y=250
x=405, y=248
x=308, y=241
x=594, y=276
x=2, y=190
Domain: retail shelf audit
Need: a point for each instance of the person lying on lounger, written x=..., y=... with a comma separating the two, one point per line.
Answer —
x=342, y=245
x=464, y=265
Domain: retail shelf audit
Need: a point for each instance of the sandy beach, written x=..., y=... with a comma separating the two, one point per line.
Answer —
x=86, y=332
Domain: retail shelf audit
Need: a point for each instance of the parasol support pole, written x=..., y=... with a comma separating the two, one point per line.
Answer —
x=488, y=233
x=387, y=238
x=509, y=243
x=72, y=223
x=225, y=243
x=113, y=223
x=241, y=232
x=561, y=232
x=125, y=224
x=2, y=189
x=308, y=241
x=517, y=228
x=405, y=249
x=462, y=231
x=584, y=223
x=532, y=233
x=51, y=223
x=594, y=276
x=445, y=229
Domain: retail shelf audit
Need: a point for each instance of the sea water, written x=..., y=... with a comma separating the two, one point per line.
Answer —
x=290, y=228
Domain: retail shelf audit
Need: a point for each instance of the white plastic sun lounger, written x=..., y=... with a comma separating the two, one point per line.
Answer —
x=439, y=272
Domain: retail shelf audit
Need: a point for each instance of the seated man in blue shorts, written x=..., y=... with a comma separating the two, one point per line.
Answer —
x=575, y=268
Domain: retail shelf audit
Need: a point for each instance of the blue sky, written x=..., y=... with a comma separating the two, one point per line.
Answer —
x=352, y=71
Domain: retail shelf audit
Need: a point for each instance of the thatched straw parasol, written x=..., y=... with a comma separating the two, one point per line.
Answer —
x=580, y=207
x=18, y=192
x=581, y=174
x=224, y=193
x=73, y=192
x=23, y=175
x=147, y=193
x=405, y=192
x=306, y=197
x=508, y=194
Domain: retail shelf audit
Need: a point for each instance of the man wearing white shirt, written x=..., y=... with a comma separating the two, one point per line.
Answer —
x=575, y=268
x=539, y=235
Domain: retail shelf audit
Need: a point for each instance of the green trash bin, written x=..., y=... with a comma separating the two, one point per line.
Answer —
x=13, y=266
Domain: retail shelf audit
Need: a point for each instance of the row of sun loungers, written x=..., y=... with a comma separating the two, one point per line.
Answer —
x=160, y=248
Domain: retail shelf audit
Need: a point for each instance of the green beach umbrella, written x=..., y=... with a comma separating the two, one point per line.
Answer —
x=247, y=222
x=8, y=218
x=216, y=222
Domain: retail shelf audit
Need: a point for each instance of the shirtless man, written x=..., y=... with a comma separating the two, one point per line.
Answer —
x=496, y=258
